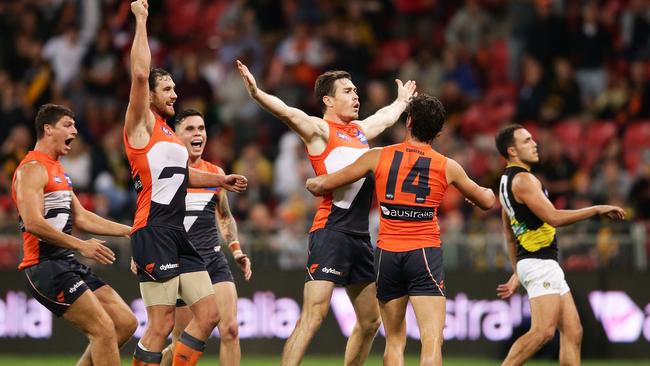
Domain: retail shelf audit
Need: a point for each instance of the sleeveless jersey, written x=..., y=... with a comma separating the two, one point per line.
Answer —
x=346, y=209
x=411, y=183
x=200, y=224
x=57, y=211
x=159, y=172
x=535, y=238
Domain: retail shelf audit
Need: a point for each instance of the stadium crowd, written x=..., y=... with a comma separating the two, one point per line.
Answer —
x=575, y=73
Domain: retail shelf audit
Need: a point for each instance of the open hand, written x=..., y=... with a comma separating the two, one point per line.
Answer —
x=96, y=250
x=248, y=78
x=505, y=290
x=612, y=212
x=406, y=92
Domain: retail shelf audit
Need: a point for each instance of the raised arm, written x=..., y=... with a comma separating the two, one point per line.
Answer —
x=309, y=128
x=232, y=182
x=228, y=229
x=30, y=181
x=139, y=119
x=480, y=196
x=94, y=224
x=328, y=182
x=528, y=190
x=388, y=115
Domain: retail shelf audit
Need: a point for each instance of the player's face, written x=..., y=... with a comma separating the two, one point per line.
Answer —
x=164, y=96
x=525, y=147
x=192, y=133
x=62, y=134
x=345, y=101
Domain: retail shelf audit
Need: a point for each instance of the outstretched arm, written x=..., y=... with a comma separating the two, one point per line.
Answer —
x=480, y=196
x=527, y=189
x=232, y=182
x=388, y=115
x=307, y=127
x=328, y=182
x=139, y=119
x=94, y=224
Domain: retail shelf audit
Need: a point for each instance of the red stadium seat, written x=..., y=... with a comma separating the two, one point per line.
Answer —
x=570, y=132
x=636, y=139
x=598, y=134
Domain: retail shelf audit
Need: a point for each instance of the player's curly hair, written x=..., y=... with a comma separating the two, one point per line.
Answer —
x=428, y=117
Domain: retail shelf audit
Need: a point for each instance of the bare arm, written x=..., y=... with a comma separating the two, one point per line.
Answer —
x=92, y=223
x=528, y=190
x=232, y=182
x=307, y=127
x=139, y=119
x=328, y=182
x=388, y=115
x=480, y=196
x=505, y=290
x=30, y=182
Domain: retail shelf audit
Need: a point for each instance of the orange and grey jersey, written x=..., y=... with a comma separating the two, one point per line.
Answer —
x=200, y=221
x=411, y=183
x=159, y=172
x=346, y=208
x=57, y=210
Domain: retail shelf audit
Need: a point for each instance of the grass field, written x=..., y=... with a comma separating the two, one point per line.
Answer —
x=311, y=361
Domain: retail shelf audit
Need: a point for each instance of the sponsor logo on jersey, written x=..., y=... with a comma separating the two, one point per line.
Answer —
x=60, y=297
x=342, y=136
x=166, y=130
x=362, y=138
x=313, y=267
x=406, y=213
x=331, y=271
x=67, y=178
x=75, y=287
x=57, y=179
x=168, y=266
x=137, y=183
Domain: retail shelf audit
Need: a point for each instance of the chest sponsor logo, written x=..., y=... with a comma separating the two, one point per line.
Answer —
x=166, y=131
x=342, y=136
x=362, y=138
x=406, y=213
x=57, y=179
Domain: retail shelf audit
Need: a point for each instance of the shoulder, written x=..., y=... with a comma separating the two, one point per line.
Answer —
x=32, y=172
x=524, y=181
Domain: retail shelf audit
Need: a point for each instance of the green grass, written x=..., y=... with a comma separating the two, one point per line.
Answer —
x=7, y=360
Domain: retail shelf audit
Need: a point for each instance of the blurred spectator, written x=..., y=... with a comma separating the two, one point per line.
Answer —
x=532, y=92
x=192, y=89
x=460, y=72
x=425, y=68
x=78, y=165
x=102, y=71
x=521, y=18
x=547, y=39
x=639, y=101
x=610, y=182
x=12, y=152
x=563, y=98
x=469, y=29
x=635, y=30
x=291, y=168
x=611, y=103
x=591, y=46
x=640, y=191
x=557, y=170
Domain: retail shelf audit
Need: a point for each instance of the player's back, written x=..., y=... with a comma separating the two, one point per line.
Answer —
x=159, y=172
x=410, y=184
x=200, y=224
x=346, y=209
x=57, y=211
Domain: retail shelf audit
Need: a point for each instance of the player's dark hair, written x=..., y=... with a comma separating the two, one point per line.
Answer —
x=506, y=138
x=50, y=114
x=180, y=116
x=155, y=74
x=427, y=117
x=325, y=85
